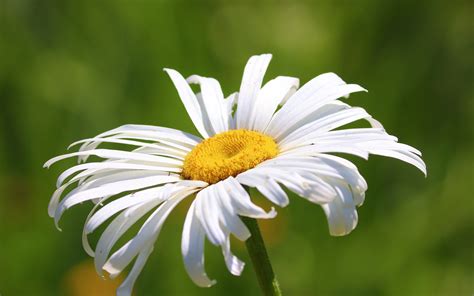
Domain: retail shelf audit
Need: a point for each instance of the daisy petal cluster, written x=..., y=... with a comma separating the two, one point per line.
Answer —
x=268, y=136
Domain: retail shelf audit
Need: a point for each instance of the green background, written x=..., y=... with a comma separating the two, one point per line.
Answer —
x=72, y=69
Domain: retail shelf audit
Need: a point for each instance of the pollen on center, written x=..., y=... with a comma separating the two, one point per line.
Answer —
x=228, y=154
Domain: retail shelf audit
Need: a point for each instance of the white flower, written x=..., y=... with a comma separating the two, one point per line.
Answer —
x=262, y=137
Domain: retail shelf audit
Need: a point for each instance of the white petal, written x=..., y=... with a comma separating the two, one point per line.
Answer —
x=192, y=248
x=308, y=132
x=279, y=128
x=234, y=264
x=307, y=185
x=230, y=102
x=272, y=94
x=407, y=157
x=323, y=165
x=157, y=131
x=211, y=209
x=85, y=240
x=189, y=101
x=126, y=287
x=312, y=150
x=121, y=203
x=213, y=102
x=249, y=89
x=267, y=186
x=147, y=234
x=341, y=213
x=306, y=92
x=165, y=150
x=116, y=229
x=240, y=199
x=164, y=141
x=172, y=137
x=117, y=154
x=131, y=215
x=207, y=213
x=359, y=142
x=110, y=189
x=112, y=165
x=229, y=216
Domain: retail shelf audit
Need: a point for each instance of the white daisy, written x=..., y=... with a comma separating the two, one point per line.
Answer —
x=262, y=137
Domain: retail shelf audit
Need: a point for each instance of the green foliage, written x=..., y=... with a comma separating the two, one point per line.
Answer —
x=72, y=69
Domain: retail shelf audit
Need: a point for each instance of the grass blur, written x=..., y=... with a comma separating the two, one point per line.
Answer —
x=72, y=69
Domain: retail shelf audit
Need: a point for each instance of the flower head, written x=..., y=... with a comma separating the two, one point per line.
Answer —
x=264, y=137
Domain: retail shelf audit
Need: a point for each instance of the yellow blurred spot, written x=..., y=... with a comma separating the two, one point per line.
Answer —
x=82, y=280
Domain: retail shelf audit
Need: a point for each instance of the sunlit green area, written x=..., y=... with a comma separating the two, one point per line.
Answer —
x=72, y=69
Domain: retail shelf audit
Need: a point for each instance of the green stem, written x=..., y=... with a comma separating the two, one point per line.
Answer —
x=261, y=262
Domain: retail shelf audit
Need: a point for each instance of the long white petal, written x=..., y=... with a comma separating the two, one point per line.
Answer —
x=117, y=154
x=234, y=264
x=207, y=213
x=211, y=210
x=267, y=186
x=213, y=101
x=307, y=133
x=116, y=229
x=126, y=287
x=307, y=185
x=192, y=248
x=189, y=101
x=407, y=157
x=112, y=165
x=306, y=92
x=280, y=126
x=249, y=89
x=121, y=203
x=147, y=234
x=341, y=213
x=126, y=219
x=229, y=216
x=150, y=136
x=110, y=189
x=165, y=150
x=240, y=199
x=272, y=94
x=172, y=137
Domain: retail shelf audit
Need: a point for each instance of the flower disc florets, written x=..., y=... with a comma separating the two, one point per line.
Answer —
x=228, y=154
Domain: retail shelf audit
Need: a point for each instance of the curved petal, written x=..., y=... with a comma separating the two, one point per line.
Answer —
x=172, y=137
x=213, y=102
x=112, y=166
x=165, y=150
x=249, y=89
x=207, y=213
x=240, y=199
x=116, y=229
x=192, y=248
x=118, y=154
x=272, y=94
x=307, y=133
x=190, y=102
x=234, y=264
x=110, y=189
x=147, y=234
x=308, y=99
x=267, y=186
x=126, y=287
x=341, y=212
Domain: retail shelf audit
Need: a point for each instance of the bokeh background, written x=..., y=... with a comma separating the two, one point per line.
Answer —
x=72, y=69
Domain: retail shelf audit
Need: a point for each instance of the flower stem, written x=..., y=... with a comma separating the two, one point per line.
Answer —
x=261, y=262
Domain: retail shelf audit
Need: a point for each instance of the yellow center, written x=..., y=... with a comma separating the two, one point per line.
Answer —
x=228, y=154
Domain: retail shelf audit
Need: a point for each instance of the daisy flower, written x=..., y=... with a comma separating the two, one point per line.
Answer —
x=266, y=137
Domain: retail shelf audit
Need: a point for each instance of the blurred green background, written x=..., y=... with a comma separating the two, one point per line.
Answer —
x=72, y=69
